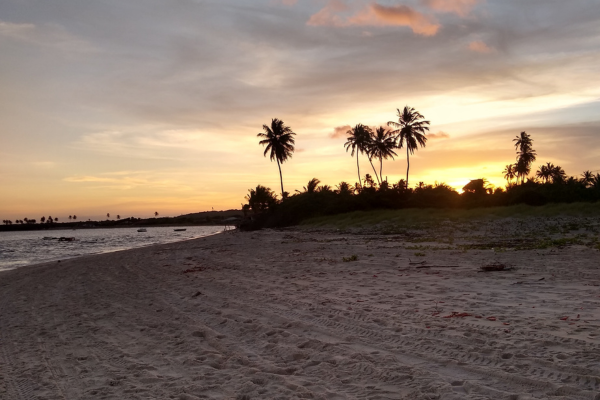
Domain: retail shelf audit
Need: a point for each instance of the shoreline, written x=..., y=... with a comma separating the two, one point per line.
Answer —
x=59, y=258
x=279, y=314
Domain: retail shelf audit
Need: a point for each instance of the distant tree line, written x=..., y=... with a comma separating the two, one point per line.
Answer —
x=548, y=184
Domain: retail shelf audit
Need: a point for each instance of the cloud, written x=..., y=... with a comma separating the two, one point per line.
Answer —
x=48, y=35
x=459, y=7
x=289, y=2
x=439, y=135
x=376, y=15
x=328, y=15
x=479, y=46
x=340, y=131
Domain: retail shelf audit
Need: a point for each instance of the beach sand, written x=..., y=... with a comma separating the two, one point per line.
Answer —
x=280, y=315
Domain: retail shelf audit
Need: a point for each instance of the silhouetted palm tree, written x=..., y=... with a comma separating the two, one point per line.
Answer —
x=587, y=178
x=43, y=219
x=312, y=185
x=344, y=188
x=107, y=215
x=558, y=175
x=74, y=217
x=261, y=199
x=118, y=216
x=525, y=155
x=382, y=146
x=358, y=140
x=155, y=214
x=596, y=182
x=279, y=140
x=545, y=172
x=509, y=173
x=410, y=132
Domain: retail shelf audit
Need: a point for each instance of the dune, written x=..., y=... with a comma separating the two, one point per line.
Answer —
x=281, y=315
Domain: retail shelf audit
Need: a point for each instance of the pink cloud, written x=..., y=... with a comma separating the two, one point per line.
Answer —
x=340, y=131
x=480, y=47
x=328, y=15
x=289, y=2
x=459, y=7
x=439, y=135
x=376, y=15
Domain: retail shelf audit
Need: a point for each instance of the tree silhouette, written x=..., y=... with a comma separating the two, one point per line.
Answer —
x=312, y=185
x=43, y=219
x=118, y=216
x=509, y=173
x=74, y=217
x=358, y=141
x=545, y=172
x=410, y=132
x=155, y=214
x=525, y=155
x=382, y=147
x=261, y=199
x=107, y=215
x=587, y=178
x=344, y=188
x=279, y=140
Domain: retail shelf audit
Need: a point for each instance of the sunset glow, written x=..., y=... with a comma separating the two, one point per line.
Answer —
x=132, y=108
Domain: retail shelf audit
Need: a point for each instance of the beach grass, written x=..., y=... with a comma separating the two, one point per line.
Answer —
x=412, y=217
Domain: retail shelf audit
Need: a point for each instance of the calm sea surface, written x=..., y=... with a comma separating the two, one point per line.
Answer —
x=23, y=248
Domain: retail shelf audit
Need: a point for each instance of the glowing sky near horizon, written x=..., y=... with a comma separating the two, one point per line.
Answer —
x=142, y=106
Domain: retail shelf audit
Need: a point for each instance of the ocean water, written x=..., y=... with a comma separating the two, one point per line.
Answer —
x=32, y=247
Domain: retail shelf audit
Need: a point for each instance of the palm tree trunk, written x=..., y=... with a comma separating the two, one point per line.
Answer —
x=381, y=168
x=281, y=178
x=374, y=170
x=358, y=168
x=407, y=165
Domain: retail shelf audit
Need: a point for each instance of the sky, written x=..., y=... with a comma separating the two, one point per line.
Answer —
x=134, y=107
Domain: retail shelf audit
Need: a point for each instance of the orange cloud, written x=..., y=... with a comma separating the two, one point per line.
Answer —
x=376, y=15
x=459, y=7
x=480, y=47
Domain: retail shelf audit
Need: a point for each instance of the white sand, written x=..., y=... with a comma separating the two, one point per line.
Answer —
x=280, y=316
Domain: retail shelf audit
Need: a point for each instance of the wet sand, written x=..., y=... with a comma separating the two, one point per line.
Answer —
x=280, y=315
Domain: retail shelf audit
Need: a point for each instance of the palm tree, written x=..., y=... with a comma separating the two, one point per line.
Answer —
x=344, y=188
x=358, y=140
x=118, y=216
x=410, y=132
x=312, y=185
x=382, y=146
x=107, y=215
x=558, y=174
x=544, y=172
x=74, y=217
x=155, y=214
x=587, y=178
x=42, y=219
x=509, y=173
x=278, y=139
x=525, y=155
x=70, y=217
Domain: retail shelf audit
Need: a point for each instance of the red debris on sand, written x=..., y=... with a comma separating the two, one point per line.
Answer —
x=564, y=318
x=374, y=276
x=478, y=316
x=491, y=318
x=506, y=323
x=457, y=315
